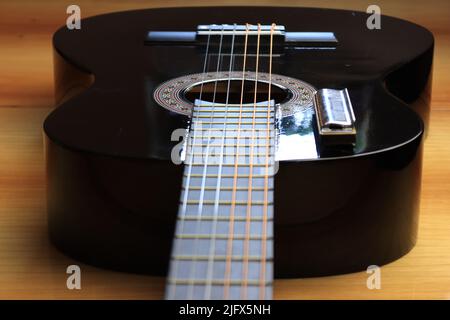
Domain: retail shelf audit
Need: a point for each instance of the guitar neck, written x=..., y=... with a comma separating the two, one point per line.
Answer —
x=223, y=246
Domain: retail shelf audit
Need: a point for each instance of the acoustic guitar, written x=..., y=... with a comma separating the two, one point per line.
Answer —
x=224, y=147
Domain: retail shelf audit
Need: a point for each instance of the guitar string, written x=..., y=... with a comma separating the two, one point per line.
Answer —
x=172, y=292
x=205, y=168
x=227, y=275
x=244, y=284
x=262, y=279
x=209, y=276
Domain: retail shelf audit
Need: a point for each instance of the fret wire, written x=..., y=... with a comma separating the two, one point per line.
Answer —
x=244, y=111
x=227, y=154
x=221, y=218
x=239, y=122
x=235, y=138
x=250, y=111
x=218, y=258
x=232, y=116
x=245, y=123
x=227, y=145
x=210, y=175
x=228, y=165
x=261, y=107
x=238, y=203
x=230, y=110
x=235, y=123
x=213, y=135
x=216, y=282
x=233, y=106
x=243, y=162
x=230, y=107
x=229, y=129
x=227, y=188
x=220, y=236
x=228, y=116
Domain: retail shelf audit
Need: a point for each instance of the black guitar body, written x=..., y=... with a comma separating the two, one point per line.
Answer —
x=113, y=191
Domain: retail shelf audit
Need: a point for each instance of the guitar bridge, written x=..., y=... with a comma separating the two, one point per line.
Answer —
x=281, y=37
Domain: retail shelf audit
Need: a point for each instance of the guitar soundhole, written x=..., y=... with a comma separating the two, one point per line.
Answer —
x=179, y=94
x=218, y=92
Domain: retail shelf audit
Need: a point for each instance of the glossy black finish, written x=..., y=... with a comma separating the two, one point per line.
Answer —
x=113, y=191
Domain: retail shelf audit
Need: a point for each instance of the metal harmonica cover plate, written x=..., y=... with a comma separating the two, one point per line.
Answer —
x=335, y=116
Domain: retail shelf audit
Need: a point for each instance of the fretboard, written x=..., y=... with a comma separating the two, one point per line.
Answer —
x=223, y=246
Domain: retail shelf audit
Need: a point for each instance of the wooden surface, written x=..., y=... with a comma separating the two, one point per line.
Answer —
x=31, y=268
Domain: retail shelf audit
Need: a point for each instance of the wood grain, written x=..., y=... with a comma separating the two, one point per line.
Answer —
x=30, y=268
